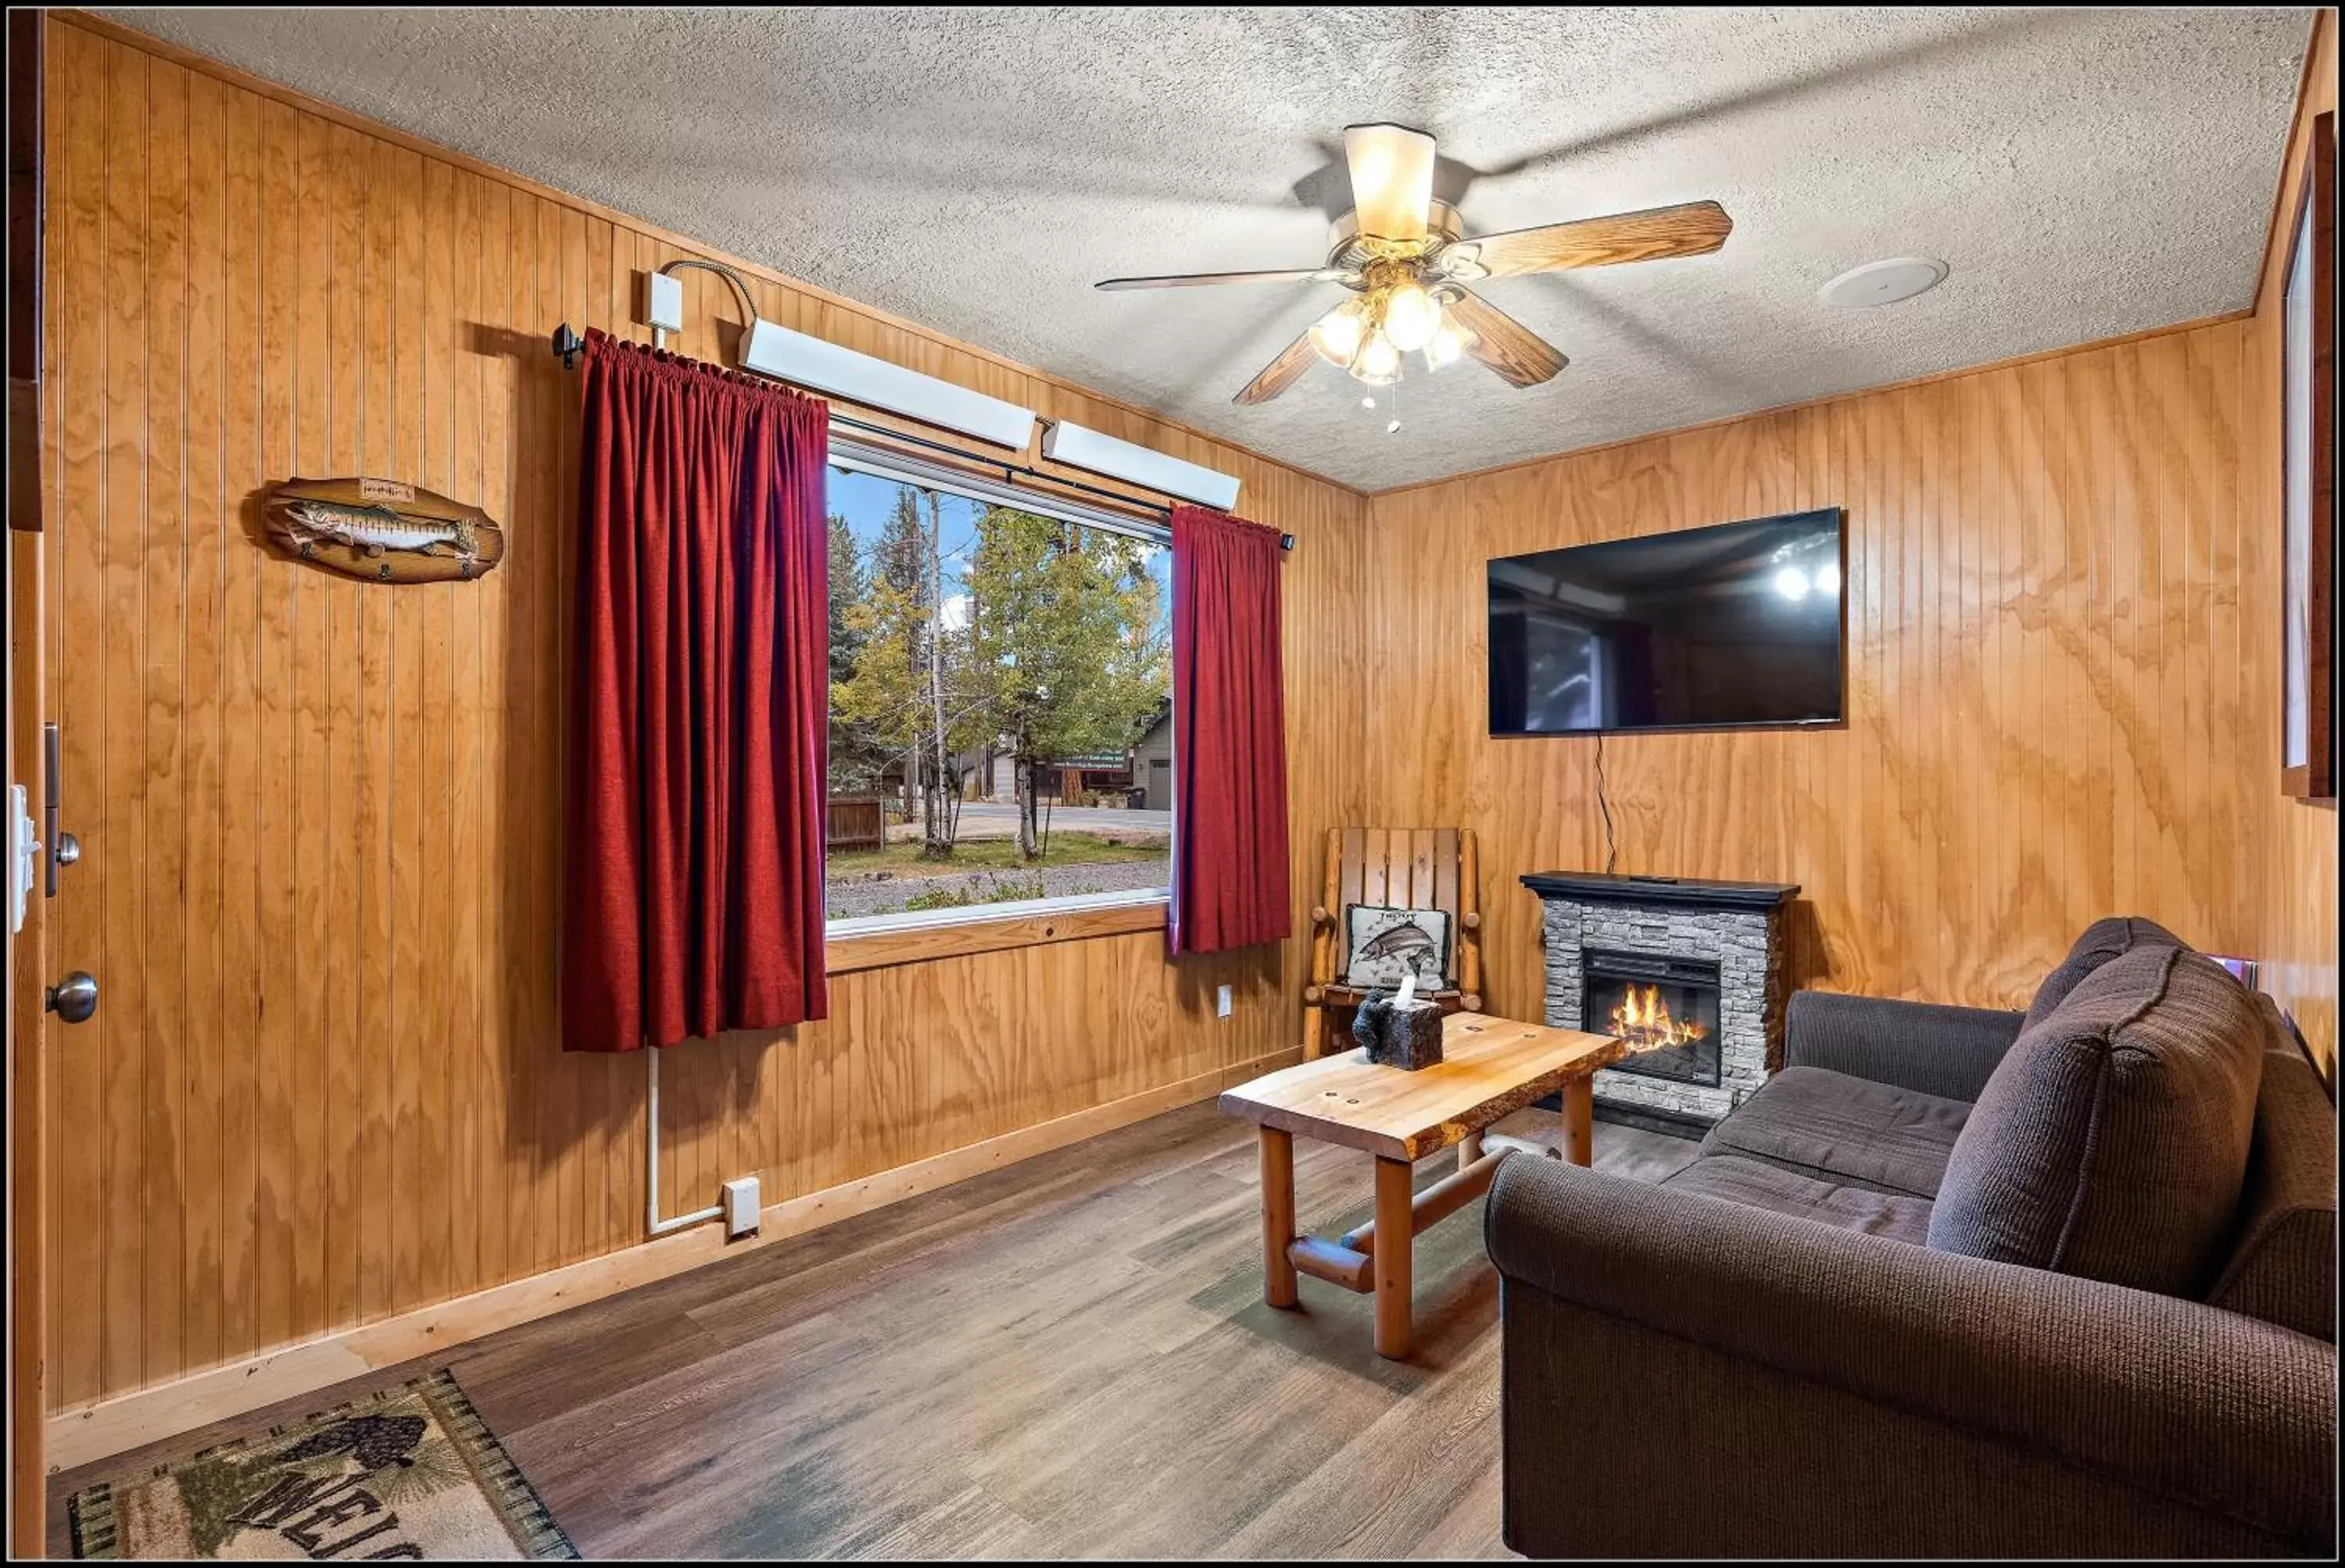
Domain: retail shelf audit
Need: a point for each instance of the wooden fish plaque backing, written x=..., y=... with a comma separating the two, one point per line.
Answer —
x=383, y=530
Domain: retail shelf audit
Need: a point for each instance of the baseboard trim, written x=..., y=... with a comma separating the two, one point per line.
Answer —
x=91, y=1433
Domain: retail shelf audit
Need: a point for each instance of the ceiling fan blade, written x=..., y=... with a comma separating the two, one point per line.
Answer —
x=1693, y=229
x=1391, y=180
x=1503, y=344
x=1205, y=280
x=1280, y=374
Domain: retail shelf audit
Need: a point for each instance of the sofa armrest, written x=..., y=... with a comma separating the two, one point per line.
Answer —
x=1918, y=1045
x=2216, y=1412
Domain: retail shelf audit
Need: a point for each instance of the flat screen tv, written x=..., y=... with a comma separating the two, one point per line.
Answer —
x=1732, y=626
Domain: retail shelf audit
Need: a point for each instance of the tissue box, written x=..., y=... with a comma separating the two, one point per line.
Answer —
x=1397, y=1034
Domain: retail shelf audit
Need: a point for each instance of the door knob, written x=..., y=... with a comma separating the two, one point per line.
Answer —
x=75, y=997
x=68, y=848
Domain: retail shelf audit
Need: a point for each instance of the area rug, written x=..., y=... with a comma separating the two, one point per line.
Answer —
x=408, y=1472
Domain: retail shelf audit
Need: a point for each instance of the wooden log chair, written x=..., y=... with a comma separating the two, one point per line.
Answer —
x=1405, y=868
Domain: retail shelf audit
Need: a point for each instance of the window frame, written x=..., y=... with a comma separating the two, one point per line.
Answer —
x=851, y=455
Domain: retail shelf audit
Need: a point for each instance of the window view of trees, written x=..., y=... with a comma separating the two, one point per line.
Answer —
x=1000, y=708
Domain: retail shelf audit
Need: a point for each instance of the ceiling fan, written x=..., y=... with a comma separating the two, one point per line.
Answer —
x=1407, y=260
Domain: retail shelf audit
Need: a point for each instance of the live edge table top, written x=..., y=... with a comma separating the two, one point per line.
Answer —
x=1489, y=1068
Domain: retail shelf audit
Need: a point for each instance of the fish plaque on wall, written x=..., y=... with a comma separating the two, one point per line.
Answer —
x=383, y=530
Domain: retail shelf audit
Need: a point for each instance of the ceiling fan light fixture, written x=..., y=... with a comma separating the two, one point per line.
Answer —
x=1411, y=316
x=1378, y=363
x=1336, y=336
x=1447, y=345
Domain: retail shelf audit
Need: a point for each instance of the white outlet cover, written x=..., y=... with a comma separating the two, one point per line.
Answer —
x=1221, y=1001
x=741, y=1206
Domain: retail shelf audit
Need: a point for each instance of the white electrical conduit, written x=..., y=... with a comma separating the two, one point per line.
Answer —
x=658, y=1225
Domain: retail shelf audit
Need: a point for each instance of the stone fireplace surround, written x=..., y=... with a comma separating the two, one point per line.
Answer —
x=1738, y=926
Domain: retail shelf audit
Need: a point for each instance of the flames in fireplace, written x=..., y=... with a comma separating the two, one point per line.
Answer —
x=1643, y=1020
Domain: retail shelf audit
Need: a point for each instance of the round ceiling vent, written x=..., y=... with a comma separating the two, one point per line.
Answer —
x=1883, y=282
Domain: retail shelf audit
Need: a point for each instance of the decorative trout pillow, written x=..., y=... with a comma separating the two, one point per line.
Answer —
x=1383, y=946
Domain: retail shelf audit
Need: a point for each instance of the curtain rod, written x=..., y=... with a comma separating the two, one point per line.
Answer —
x=568, y=345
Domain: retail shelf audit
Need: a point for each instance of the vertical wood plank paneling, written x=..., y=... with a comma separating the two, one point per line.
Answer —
x=2033, y=616
x=430, y=462
x=120, y=778
x=199, y=913
x=368, y=274
x=276, y=601
x=162, y=640
x=463, y=1072
x=412, y=1178
x=501, y=382
x=343, y=804
x=74, y=427
x=241, y=468
x=311, y=791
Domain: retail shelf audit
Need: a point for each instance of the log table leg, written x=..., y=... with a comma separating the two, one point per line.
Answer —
x=1579, y=1121
x=1469, y=1149
x=1277, y=1215
x=1395, y=1232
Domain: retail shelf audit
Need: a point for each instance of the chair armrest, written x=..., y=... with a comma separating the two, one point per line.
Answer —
x=1918, y=1045
x=2221, y=1412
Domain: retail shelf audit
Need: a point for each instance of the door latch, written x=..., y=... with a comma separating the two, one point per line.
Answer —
x=63, y=847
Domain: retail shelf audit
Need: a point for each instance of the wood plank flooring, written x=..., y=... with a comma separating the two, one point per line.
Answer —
x=1070, y=1357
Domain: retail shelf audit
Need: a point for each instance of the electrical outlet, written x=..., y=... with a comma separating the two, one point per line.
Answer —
x=1221, y=1001
x=741, y=1208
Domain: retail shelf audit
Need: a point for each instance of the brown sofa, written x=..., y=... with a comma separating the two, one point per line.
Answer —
x=1952, y=1283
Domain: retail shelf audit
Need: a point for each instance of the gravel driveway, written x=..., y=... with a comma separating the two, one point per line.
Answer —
x=846, y=901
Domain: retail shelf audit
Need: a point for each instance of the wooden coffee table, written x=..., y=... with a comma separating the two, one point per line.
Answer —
x=1490, y=1068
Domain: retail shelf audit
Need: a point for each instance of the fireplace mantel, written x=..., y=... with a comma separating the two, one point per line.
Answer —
x=1602, y=887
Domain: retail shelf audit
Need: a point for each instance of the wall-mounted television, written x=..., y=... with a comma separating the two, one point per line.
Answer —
x=1732, y=627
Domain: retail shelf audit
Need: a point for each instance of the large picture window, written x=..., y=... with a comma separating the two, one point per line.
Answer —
x=1001, y=700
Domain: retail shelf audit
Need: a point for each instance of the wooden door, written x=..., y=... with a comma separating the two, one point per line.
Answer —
x=27, y=955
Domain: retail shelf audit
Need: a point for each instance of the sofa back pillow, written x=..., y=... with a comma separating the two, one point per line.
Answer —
x=2111, y=1140
x=2102, y=941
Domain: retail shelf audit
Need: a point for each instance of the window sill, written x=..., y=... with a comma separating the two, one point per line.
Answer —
x=848, y=953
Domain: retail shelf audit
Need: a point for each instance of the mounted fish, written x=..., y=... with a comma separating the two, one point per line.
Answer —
x=383, y=530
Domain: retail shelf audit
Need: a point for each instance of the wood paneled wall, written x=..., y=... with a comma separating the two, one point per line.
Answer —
x=2051, y=712
x=320, y=861
x=2294, y=920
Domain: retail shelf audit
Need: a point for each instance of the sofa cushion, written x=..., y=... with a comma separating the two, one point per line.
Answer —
x=2282, y=1266
x=2112, y=1139
x=1760, y=1186
x=2102, y=941
x=1844, y=1130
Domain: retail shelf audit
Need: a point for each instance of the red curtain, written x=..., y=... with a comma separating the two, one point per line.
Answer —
x=1229, y=873
x=699, y=706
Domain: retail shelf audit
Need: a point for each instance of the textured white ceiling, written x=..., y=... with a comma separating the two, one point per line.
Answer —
x=2085, y=172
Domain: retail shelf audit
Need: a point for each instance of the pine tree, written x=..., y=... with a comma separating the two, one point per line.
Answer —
x=855, y=755
x=904, y=689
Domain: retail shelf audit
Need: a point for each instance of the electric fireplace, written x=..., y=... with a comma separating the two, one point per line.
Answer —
x=1666, y=1008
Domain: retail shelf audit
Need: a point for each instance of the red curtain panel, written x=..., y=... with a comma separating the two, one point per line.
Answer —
x=1229, y=873
x=699, y=706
